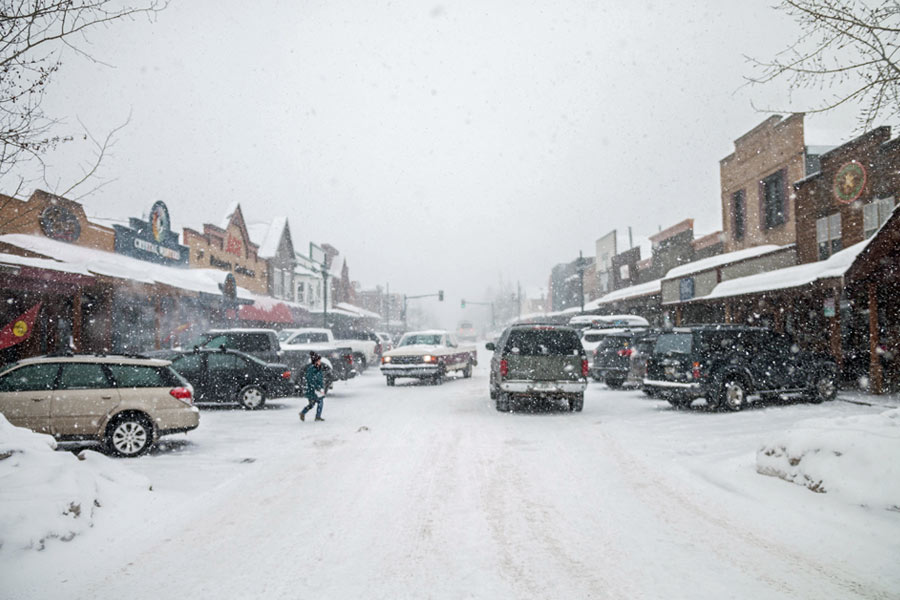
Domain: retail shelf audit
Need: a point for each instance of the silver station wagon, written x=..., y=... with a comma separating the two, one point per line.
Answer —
x=124, y=402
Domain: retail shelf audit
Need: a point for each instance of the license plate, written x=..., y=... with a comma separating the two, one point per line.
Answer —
x=545, y=386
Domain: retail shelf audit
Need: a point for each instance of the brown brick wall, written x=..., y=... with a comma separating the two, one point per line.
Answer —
x=23, y=216
x=773, y=145
x=816, y=196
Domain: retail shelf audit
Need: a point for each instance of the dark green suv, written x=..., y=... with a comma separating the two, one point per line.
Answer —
x=538, y=361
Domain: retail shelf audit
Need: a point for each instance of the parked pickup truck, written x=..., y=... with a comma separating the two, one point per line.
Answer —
x=428, y=355
x=296, y=345
x=365, y=349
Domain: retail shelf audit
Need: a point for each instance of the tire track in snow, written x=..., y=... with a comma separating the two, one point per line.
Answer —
x=527, y=533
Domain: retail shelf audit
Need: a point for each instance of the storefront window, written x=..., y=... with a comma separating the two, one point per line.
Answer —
x=828, y=235
x=875, y=214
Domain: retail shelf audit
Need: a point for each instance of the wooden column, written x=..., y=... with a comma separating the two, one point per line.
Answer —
x=778, y=315
x=678, y=316
x=76, y=321
x=834, y=329
x=876, y=380
x=157, y=321
x=729, y=315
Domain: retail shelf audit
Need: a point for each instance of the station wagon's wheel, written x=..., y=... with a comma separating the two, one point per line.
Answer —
x=733, y=395
x=613, y=383
x=251, y=397
x=129, y=435
x=390, y=380
x=494, y=392
x=503, y=402
x=824, y=387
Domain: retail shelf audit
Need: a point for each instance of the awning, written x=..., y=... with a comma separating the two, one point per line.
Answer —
x=274, y=313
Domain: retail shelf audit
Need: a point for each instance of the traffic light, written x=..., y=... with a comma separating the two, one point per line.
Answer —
x=440, y=295
x=462, y=303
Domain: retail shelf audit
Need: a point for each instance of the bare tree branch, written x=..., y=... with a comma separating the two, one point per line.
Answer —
x=846, y=47
x=33, y=34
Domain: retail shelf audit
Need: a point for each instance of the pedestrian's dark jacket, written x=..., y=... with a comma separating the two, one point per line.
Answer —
x=315, y=380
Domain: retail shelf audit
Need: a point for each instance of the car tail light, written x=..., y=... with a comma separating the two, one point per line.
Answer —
x=182, y=393
x=286, y=375
x=349, y=359
x=377, y=348
x=504, y=368
x=695, y=370
x=584, y=368
x=625, y=352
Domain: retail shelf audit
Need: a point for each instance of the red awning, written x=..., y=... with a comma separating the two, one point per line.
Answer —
x=277, y=313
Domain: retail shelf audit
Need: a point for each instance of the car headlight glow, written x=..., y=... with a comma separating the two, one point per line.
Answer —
x=428, y=358
x=385, y=359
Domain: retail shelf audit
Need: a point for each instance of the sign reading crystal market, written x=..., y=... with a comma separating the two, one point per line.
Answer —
x=152, y=240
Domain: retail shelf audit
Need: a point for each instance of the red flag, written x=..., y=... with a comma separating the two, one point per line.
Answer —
x=20, y=328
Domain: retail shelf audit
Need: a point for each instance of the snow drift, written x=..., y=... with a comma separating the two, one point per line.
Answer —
x=47, y=494
x=854, y=458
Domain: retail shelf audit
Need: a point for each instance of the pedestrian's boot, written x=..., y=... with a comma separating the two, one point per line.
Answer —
x=319, y=419
x=302, y=416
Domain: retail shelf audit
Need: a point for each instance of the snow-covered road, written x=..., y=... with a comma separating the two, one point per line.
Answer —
x=424, y=491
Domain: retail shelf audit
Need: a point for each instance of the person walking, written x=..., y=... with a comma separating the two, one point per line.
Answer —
x=315, y=386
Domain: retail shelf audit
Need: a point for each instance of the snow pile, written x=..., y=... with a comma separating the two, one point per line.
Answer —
x=855, y=458
x=46, y=494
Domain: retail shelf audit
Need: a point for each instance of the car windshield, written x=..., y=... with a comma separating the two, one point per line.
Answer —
x=425, y=339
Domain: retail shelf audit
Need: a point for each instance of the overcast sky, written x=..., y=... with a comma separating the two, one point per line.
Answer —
x=437, y=145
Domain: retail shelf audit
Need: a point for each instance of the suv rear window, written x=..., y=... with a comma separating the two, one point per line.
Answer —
x=676, y=343
x=614, y=342
x=540, y=342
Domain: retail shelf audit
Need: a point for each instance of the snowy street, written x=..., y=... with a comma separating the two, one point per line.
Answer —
x=426, y=491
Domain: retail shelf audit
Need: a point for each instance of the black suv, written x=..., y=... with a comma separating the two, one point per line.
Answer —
x=538, y=361
x=611, y=361
x=727, y=363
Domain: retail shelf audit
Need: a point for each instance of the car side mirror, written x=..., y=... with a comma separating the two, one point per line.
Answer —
x=490, y=346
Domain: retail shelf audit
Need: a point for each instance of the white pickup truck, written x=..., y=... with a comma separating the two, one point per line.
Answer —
x=365, y=351
x=428, y=355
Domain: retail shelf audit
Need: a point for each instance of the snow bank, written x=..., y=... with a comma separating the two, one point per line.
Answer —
x=45, y=494
x=854, y=458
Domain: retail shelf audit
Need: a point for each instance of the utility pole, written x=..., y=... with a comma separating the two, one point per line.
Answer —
x=579, y=265
x=519, y=294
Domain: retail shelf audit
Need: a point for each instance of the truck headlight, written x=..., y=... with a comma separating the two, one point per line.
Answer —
x=385, y=359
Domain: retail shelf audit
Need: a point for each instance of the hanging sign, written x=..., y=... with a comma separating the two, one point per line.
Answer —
x=152, y=240
x=20, y=328
x=849, y=182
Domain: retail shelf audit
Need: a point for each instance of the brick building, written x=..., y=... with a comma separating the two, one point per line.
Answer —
x=757, y=206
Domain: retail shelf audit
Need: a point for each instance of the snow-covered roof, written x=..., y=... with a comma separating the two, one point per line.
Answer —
x=790, y=277
x=635, y=291
x=228, y=212
x=42, y=263
x=267, y=235
x=356, y=309
x=718, y=260
x=100, y=262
